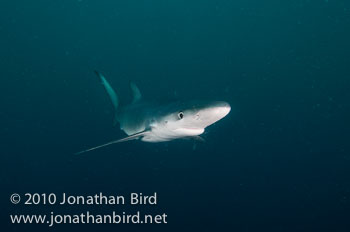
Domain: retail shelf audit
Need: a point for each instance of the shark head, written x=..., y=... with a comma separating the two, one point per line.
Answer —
x=186, y=120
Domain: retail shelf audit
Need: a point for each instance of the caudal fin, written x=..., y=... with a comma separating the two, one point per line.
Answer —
x=112, y=95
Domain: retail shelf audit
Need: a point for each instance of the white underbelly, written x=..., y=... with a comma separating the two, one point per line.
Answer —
x=166, y=135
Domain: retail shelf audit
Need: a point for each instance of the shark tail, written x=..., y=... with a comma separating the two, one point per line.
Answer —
x=112, y=95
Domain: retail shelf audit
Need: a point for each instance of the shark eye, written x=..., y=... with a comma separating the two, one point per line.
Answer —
x=180, y=115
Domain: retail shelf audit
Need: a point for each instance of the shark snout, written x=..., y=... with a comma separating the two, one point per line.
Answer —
x=212, y=113
x=221, y=109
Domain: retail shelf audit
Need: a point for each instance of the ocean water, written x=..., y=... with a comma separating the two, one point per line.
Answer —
x=280, y=161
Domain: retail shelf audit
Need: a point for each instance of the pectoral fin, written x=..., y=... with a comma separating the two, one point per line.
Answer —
x=198, y=138
x=131, y=137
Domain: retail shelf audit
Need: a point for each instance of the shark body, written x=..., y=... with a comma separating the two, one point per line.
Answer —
x=151, y=122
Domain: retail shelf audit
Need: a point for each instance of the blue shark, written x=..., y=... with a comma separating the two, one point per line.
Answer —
x=151, y=122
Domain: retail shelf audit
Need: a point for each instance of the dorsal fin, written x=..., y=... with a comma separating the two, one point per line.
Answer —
x=135, y=92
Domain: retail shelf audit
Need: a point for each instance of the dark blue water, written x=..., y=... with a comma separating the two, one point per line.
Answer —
x=280, y=161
